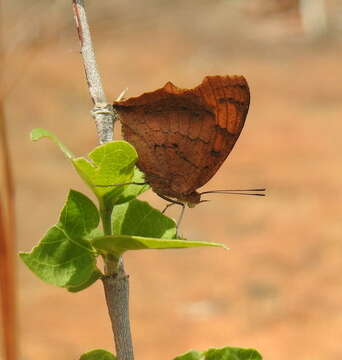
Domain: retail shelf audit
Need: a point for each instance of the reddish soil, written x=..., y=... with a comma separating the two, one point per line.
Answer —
x=278, y=289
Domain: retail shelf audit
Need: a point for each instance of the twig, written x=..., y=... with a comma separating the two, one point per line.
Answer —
x=116, y=284
x=102, y=112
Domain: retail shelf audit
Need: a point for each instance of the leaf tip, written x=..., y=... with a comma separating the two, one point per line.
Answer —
x=23, y=255
x=37, y=134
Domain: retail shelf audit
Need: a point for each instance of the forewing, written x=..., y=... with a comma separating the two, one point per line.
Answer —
x=229, y=98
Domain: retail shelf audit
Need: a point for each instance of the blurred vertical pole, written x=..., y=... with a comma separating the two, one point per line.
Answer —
x=314, y=17
x=7, y=231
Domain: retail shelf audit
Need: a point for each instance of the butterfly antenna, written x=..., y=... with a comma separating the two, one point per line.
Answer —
x=250, y=192
x=128, y=183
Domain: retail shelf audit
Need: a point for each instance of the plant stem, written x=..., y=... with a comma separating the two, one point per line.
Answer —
x=116, y=287
x=117, y=296
x=110, y=262
x=106, y=214
x=115, y=281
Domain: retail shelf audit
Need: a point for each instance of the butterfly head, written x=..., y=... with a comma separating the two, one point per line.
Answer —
x=192, y=199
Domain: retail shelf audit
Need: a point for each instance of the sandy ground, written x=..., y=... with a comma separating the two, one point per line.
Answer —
x=278, y=289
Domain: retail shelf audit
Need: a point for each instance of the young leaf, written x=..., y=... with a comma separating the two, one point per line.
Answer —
x=118, y=244
x=226, y=353
x=37, y=134
x=65, y=257
x=110, y=164
x=98, y=354
x=141, y=219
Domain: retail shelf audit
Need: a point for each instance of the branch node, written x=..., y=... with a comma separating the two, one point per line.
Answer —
x=105, y=118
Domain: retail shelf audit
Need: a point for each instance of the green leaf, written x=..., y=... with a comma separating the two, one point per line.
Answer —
x=108, y=165
x=141, y=219
x=39, y=133
x=79, y=216
x=65, y=257
x=93, y=278
x=226, y=353
x=118, y=244
x=98, y=354
x=232, y=353
x=138, y=226
x=190, y=355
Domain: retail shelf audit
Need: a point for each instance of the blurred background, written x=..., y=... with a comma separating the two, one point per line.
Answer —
x=278, y=289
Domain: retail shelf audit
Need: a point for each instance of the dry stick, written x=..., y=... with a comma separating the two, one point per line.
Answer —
x=116, y=285
x=7, y=233
x=7, y=249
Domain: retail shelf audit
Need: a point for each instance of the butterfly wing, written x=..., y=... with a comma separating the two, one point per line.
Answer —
x=183, y=136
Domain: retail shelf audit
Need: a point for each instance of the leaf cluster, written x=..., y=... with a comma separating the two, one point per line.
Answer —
x=225, y=353
x=67, y=254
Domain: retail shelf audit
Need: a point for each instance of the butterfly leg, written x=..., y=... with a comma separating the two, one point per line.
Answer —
x=180, y=217
x=167, y=206
x=171, y=203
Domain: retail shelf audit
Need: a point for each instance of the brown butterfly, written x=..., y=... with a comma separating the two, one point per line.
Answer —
x=183, y=136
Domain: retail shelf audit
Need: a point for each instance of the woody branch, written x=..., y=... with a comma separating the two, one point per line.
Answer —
x=116, y=285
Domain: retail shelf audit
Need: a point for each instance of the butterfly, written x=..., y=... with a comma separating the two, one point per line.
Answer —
x=183, y=136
